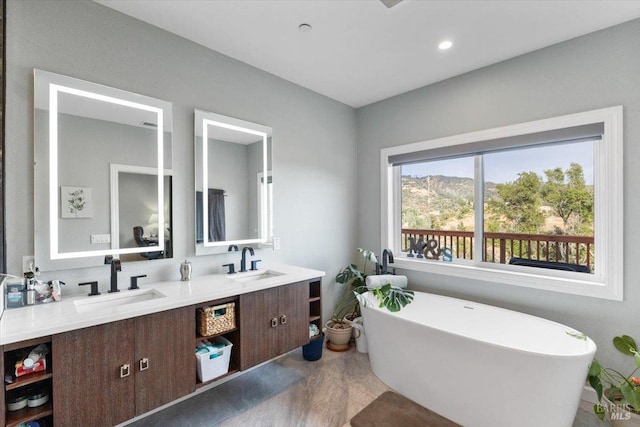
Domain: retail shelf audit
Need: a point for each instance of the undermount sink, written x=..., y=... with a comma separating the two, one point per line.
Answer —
x=255, y=275
x=115, y=300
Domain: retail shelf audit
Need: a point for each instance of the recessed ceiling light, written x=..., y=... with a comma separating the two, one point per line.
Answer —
x=445, y=45
x=305, y=28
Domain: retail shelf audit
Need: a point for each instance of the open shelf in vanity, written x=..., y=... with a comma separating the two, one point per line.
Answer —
x=27, y=385
x=233, y=335
x=315, y=302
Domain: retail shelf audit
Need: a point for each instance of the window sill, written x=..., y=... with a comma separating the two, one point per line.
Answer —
x=549, y=280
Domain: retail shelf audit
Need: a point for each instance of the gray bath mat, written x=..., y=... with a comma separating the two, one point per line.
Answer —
x=227, y=400
x=391, y=409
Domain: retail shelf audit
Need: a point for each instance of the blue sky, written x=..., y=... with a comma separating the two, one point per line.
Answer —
x=504, y=166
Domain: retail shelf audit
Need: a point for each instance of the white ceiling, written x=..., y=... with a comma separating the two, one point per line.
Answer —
x=359, y=51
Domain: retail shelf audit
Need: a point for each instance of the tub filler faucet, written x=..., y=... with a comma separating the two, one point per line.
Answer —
x=387, y=258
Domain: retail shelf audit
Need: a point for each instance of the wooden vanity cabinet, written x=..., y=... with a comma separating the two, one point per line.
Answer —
x=109, y=373
x=87, y=387
x=272, y=322
x=166, y=340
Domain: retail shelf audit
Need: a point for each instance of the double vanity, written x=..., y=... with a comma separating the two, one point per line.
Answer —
x=103, y=191
x=117, y=356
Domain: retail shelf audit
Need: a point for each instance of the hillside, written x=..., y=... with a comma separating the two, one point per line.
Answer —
x=446, y=202
x=439, y=201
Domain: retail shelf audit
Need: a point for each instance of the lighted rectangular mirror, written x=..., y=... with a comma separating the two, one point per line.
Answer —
x=102, y=173
x=233, y=181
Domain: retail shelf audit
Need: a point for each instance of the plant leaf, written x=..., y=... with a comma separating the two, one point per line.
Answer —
x=631, y=395
x=594, y=381
x=396, y=298
x=368, y=255
x=595, y=369
x=598, y=409
x=625, y=344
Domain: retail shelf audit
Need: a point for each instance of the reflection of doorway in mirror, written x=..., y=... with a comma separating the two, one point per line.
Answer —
x=76, y=202
x=267, y=190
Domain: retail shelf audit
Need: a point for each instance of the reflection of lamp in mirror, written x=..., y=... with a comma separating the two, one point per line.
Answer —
x=152, y=225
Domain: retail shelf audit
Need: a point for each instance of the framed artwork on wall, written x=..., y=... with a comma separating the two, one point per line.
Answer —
x=76, y=202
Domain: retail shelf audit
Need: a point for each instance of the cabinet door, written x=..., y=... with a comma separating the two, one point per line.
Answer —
x=88, y=388
x=3, y=415
x=294, y=304
x=164, y=358
x=258, y=336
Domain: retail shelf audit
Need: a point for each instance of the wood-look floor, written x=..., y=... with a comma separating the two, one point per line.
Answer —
x=325, y=393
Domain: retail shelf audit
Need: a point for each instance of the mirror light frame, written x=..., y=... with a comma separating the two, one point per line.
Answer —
x=231, y=123
x=62, y=84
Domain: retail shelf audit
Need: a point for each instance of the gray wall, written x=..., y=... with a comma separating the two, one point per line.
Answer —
x=313, y=136
x=595, y=71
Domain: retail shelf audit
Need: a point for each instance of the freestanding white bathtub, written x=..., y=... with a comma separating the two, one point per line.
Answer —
x=479, y=365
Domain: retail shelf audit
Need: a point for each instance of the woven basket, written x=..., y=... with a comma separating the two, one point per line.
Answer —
x=218, y=319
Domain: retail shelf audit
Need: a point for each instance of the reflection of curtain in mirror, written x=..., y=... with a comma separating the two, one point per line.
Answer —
x=216, y=215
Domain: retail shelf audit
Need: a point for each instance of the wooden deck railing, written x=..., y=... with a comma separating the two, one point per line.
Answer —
x=500, y=247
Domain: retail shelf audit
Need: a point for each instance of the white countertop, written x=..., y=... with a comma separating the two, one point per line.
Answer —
x=35, y=321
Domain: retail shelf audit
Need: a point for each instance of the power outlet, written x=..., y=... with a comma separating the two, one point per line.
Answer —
x=28, y=263
x=276, y=243
x=100, y=238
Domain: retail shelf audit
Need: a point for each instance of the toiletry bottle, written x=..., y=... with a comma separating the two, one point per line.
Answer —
x=36, y=354
x=31, y=288
x=185, y=271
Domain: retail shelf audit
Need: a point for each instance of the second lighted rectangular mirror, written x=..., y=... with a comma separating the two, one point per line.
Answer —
x=233, y=182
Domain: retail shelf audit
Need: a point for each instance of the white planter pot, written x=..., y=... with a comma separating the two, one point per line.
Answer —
x=338, y=336
x=359, y=335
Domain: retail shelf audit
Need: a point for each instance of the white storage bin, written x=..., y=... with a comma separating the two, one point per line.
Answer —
x=213, y=364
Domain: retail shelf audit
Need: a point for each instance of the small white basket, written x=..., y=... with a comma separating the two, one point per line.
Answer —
x=215, y=364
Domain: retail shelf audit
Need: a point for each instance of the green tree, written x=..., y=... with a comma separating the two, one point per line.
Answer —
x=519, y=203
x=570, y=198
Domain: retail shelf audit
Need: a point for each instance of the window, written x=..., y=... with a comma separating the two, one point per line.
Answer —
x=537, y=204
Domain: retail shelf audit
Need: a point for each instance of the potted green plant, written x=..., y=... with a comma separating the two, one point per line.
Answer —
x=621, y=393
x=338, y=328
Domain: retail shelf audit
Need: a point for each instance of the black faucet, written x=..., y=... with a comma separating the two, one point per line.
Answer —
x=94, y=288
x=115, y=267
x=243, y=261
x=134, y=282
x=387, y=258
x=233, y=248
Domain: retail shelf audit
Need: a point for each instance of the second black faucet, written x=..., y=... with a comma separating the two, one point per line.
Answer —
x=243, y=260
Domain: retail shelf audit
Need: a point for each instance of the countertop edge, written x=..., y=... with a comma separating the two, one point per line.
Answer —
x=178, y=295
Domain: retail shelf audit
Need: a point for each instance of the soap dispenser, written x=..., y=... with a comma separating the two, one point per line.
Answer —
x=185, y=271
